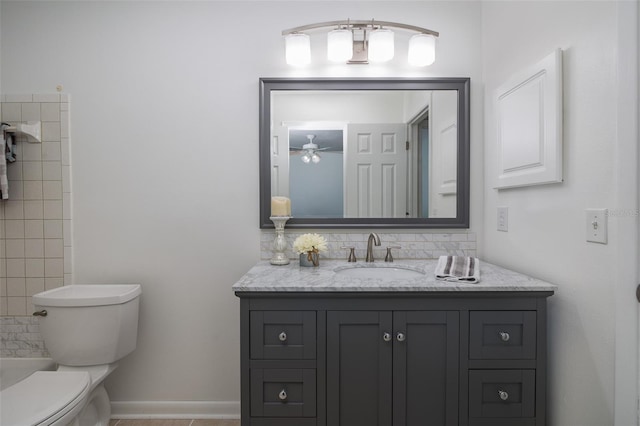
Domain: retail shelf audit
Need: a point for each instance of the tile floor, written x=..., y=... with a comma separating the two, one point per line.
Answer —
x=159, y=422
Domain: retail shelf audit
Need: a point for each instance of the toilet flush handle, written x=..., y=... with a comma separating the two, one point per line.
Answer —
x=42, y=313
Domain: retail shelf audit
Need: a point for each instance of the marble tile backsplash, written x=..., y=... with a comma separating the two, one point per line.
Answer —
x=20, y=338
x=412, y=245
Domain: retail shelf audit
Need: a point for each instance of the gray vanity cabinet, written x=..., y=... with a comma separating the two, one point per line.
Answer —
x=403, y=363
x=393, y=359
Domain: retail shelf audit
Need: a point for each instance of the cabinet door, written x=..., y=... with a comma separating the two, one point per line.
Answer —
x=425, y=368
x=359, y=368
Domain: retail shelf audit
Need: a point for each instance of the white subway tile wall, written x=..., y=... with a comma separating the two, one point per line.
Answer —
x=35, y=223
x=412, y=245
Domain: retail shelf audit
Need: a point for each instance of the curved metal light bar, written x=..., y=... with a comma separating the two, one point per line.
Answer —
x=360, y=24
x=378, y=48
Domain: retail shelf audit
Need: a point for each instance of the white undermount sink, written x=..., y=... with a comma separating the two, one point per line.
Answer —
x=380, y=272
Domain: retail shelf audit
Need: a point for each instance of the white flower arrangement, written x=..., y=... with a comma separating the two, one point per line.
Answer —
x=306, y=243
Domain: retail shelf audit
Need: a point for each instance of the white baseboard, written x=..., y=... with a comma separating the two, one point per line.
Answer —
x=175, y=409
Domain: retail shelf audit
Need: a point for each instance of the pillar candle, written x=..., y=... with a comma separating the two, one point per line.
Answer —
x=280, y=206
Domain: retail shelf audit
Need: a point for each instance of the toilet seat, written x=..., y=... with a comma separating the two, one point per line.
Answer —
x=45, y=398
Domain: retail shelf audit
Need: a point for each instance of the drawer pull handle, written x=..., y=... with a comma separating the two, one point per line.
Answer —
x=504, y=336
x=401, y=337
x=282, y=395
x=386, y=337
x=282, y=336
x=503, y=395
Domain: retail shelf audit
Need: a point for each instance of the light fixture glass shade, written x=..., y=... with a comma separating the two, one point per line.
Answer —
x=381, y=45
x=422, y=50
x=297, y=49
x=315, y=158
x=339, y=45
x=305, y=157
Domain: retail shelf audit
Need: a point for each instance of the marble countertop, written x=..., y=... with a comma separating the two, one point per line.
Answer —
x=264, y=277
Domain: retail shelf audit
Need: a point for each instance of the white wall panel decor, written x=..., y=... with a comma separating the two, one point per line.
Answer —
x=529, y=124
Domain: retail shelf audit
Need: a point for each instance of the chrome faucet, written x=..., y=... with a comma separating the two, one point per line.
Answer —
x=373, y=239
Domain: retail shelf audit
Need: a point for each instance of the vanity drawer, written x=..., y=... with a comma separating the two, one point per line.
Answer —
x=283, y=334
x=283, y=392
x=502, y=394
x=502, y=335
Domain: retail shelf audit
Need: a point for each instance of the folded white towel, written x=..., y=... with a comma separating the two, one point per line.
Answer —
x=458, y=268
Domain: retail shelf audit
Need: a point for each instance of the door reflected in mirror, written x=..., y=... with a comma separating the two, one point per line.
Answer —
x=351, y=153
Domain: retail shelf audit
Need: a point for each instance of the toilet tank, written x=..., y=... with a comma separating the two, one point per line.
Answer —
x=89, y=324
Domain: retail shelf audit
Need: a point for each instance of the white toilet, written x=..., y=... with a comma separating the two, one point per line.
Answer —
x=87, y=329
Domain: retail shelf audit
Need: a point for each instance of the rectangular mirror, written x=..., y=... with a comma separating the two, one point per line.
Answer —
x=351, y=153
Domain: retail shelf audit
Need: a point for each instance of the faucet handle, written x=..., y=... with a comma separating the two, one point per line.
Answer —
x=389, y=257
x=352, y=253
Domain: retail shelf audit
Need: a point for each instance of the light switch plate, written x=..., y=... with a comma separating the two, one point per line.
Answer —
x=596, y=226
x=503, y=219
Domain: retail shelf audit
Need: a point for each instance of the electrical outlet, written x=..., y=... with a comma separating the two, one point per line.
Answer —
x=503, y=219
x=596, y=226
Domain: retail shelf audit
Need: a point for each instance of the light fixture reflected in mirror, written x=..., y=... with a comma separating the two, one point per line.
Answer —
x=309, y=151
x=374, y=42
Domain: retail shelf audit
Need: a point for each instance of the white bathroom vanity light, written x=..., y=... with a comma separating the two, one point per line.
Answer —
x=360, y=42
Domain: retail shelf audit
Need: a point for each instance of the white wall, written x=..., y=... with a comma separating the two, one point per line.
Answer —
x=1, y=91
x=546, y=236
x=371, y=107
x=415, y=103
x=627, y=221
x=165, y=131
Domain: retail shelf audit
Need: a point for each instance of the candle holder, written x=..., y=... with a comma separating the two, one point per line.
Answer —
x=279, y=243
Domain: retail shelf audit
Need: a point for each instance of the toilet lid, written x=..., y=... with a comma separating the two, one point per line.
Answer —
x=43, y=397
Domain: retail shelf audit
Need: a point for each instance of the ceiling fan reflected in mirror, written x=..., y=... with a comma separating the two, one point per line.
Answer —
x=310, y=151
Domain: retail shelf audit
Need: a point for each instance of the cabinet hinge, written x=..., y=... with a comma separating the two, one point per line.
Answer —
x=407, y=146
